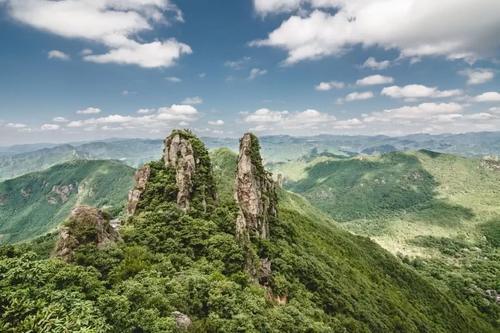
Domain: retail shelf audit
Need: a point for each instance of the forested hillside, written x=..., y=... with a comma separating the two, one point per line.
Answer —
x=202, y=255
x=36, y=203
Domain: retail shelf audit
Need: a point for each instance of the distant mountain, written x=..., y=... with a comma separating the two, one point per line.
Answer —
x=36, y=203
x=19, y=160
x=15, y=165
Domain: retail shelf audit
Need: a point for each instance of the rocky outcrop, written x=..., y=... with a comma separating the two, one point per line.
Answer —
x=182, y=321
x=179, y=155
x=255, y=194
x=255, y=191
x=86, y=225
x=60, y=194
x=188, y=157
x=134, y=196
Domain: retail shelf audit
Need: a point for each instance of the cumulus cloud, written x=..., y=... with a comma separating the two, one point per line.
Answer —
x=374, y=80
x=89, y=110
x=415, y=91
x=216, y=122
x=325, y=86
x=372, y=63
x=173, y=79
x=16, y=125
x=60, y=120
x=149, y=118
x=237, y=64
x=490, y=96
x=112, y=23
x=478, y=75
x=145, y=111
x=50, y=127
x=256, y=72
x=268, y=120
x=56, y=54
x=357, y=96
x=466, y=29
x=193, y=100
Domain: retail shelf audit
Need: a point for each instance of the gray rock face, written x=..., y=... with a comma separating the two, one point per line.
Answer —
x=182, y=321
x=179, y=155
x=254, y=193
x=86, y=225
x=141, y=178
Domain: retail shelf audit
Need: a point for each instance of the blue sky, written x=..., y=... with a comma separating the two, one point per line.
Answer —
x=88, y=69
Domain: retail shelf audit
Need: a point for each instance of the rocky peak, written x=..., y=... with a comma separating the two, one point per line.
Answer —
x=255, y=191
x=86, y=225
x=141, y=178
x=188, y=157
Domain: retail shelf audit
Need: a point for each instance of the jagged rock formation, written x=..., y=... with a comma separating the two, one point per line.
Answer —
x=141, y=178
x=255, y=191
x=188, y=157
x=86, y=225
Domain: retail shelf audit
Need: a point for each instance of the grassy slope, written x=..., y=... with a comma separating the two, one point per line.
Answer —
x=25, y=216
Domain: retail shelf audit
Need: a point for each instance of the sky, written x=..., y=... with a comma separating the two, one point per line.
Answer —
x=73, y=70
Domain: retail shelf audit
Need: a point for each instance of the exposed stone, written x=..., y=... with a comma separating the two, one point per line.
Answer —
x=141, y=178
x=86, y=225
x=179, y=155
x=254, y=192
x=60, y=193
x=26, y=192
x=280, y=180
x=188, y=162
x=182, y=321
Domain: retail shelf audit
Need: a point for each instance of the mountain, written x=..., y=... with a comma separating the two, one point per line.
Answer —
x=36, y=203
x=12, y=166
x=18, y=160
x=202, y=255
x=439, y=212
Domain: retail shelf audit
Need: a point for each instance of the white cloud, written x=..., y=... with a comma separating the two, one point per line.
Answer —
x=237, y=64
x=415, y=91
x=16, y=125
x=216, y=122
x=50, y=127
x=374, y=80
x=85, y=52
x=177, y=112
x=60, y=120
x=490, y=96
x=256, y=72
x=112, y=23
x=478, y=75
x=357, y=96
x=147, y=55
x=372, y=63
x=173, y=79
x=89, y=110
x=325, y=86
x=193, y=100
x=145, y=111
x=269, y=120
x=56, y=54
x=466, y=29
x=422, y=111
